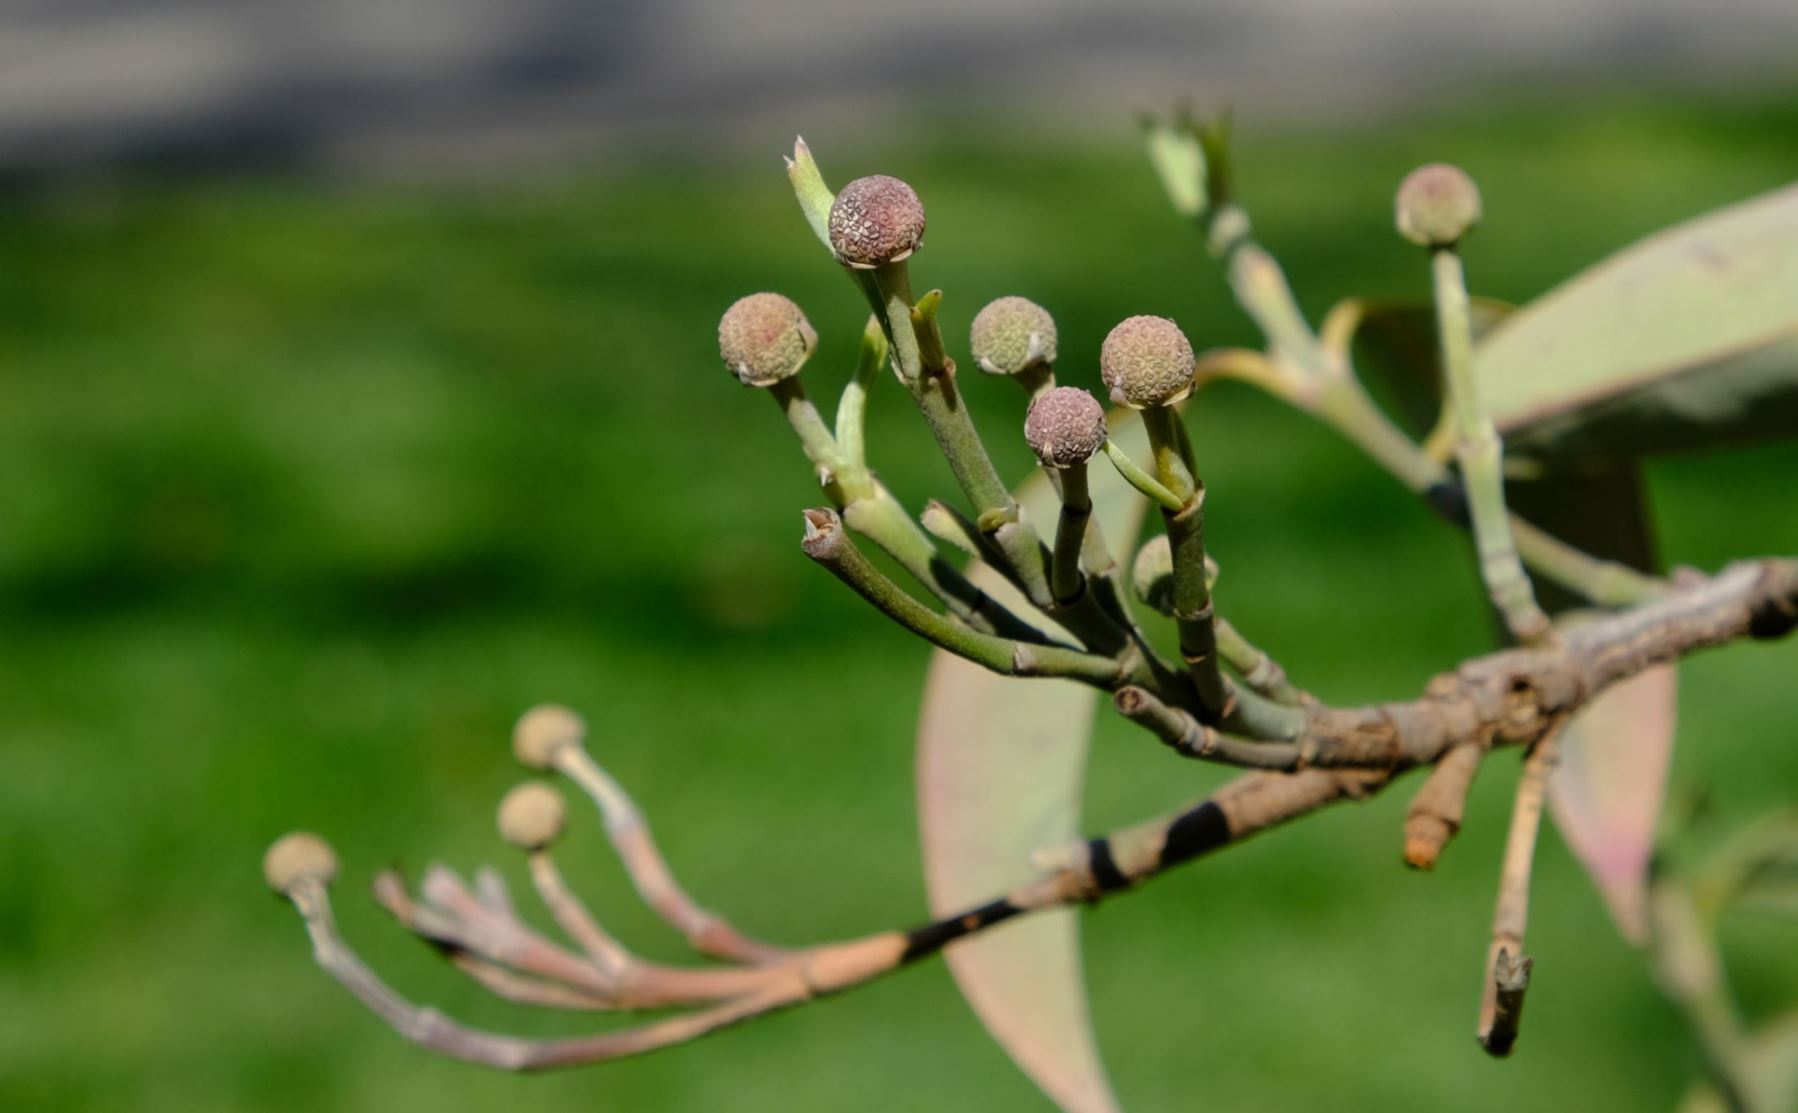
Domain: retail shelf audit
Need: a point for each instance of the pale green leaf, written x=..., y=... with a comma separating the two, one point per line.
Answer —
x=1686, y=339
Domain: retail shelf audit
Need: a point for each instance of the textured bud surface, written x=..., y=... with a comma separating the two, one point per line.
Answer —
x=297, y=857
x=1011, y=334
x=532, y=816
x=1436, y=205
x=1147, y=361
x=1153, y=574
x=876, y=220
x=764, y=338
x=1065, y=427
x=542, y=731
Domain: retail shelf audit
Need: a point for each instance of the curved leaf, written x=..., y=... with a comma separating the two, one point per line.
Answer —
x=1686, y=339
x=1001, y=765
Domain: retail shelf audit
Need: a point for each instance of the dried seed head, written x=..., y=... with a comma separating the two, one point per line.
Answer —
x=1153, y=575
x=1436, y=205
x=1147, y=361
x=764, y=338
x=542, y=731
x=1065, y=427
x=875, y=221
x=1012, y=334
x=532, y=816
x=297, y=858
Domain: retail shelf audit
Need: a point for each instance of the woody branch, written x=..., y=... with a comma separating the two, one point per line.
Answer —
x=1510, y=698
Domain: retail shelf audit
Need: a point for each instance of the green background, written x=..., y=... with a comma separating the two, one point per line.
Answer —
x=307, y=489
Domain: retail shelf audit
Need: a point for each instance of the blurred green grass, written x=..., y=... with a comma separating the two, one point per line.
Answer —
x=306, y=490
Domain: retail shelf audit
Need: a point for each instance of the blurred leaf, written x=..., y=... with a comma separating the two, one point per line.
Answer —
x=1605, y=792
x=1001, y=767
x=1757, y=870
x=1686, y=339
x=1769, y=1071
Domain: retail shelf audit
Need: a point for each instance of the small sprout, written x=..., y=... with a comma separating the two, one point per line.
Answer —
x=1012, y=335
x=1436, y=205
x=298, y=858
x=542, y=731
x=765, y=338
x=1147, y=361
x=1153, y=575
x=1065, y=427
x=532, y=816
x=875, y=221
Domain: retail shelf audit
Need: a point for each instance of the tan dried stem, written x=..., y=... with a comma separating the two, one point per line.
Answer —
x=1507, y=966
x=1436, y=811
x=649, y=873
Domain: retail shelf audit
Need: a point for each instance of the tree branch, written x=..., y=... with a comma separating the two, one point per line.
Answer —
x=1507, y=698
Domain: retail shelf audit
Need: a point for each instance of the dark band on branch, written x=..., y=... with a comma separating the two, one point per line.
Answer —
x=1104, y=867
x=931, y=938
x=1198, y=831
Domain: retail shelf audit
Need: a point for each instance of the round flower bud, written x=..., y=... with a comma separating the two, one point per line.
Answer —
x=1012, y=334
x=1153, y=575
x=542, y=731
x=532, y=816
x=764, y=338
x=1147, y=361
x=298, y=858
x=1436, y=205
x=875, y=221
x=1065, y=427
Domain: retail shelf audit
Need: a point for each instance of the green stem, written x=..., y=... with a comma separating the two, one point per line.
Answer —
x=873, y=511
x=815, y=438
x=1481, y=456
x=1260, y=672
x=827, y=543
x=1065, y=580
x=879, y=517
x=1344, y=405
x=852, y=407
x=1328, y=388
x=1140, y=479
x=1186, y=540
x=1167, y=440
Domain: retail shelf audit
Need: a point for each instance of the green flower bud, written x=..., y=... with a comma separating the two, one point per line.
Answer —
x=542, y=731
x=296, y=859
x=532, y=816
x=1065, y=427
x=1012, y=334
x=1152, y=575
x=1436, y=205
x=875, y=221
x=764, y=338
x=1147, y=361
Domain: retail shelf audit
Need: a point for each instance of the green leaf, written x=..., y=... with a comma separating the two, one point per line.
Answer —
x=1686, y=339
x=1001, y=766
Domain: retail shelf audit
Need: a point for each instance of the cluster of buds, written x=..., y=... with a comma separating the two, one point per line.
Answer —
x=1215, y=696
